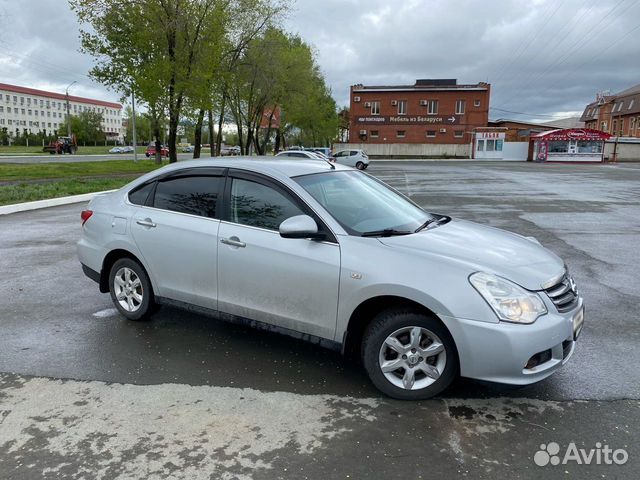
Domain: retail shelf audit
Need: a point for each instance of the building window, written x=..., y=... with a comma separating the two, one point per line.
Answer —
x=603, y=126
x=615, y=127
x=491, y=145
x=431, y=133
x=432, y=107
x=375, y=108
x=401, y=133
x=1, y=109
x=633, y=100
x=402, y=107
x=460, y=106
x=480, y=146
x=375, y=134
x=458, y=133
x=476, y=103
x=621, y=126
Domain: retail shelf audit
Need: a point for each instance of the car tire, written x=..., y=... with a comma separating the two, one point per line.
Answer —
x=431, y=374
x=360, y=165
x=131, y=293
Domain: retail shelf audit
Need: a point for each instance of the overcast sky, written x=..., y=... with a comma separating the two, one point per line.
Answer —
x=543, y=58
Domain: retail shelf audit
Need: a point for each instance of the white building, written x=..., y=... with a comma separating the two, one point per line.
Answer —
x=36, y=110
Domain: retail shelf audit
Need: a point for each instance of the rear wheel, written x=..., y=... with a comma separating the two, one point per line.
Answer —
x=131, y=290
x=360, y=165
x=409, y=355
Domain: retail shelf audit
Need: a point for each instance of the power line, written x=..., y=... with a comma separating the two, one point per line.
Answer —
x=524, y=46
x=522, y=113
x=579, y=43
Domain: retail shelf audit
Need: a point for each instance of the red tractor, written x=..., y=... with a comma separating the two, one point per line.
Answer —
x=62, y=145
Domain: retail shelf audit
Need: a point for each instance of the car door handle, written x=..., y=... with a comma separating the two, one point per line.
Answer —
x=146, y=223
x=233, y=241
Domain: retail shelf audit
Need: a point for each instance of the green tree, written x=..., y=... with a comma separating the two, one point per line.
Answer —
x=162, y=50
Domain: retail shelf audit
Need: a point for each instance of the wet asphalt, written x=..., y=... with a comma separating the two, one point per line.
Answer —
x=55, y=324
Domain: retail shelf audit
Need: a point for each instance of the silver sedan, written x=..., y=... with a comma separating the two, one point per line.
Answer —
x=328, y=254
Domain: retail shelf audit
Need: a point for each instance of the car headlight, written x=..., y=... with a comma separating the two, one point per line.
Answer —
x=509, y=301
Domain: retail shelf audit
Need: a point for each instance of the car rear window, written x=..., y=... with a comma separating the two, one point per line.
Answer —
x=139, y=195
x=195, y=195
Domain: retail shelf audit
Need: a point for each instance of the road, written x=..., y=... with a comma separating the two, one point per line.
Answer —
x=87, y=393
x=76, y=158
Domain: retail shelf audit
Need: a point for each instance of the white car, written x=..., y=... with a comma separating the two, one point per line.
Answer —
x=352, y=158
x=116, y=150
x=302, y=154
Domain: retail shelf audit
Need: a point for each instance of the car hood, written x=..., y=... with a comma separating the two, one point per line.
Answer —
x=487, y=249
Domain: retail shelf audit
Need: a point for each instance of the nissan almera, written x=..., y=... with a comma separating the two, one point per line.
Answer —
x=329, y=254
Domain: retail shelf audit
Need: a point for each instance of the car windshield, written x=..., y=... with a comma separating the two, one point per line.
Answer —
x=364, y=205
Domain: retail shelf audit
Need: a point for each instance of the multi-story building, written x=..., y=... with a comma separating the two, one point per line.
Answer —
x=617, y=114
x=432, y=111
x=23, y=108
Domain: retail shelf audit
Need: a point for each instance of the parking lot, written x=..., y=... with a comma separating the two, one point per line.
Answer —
x=86, y=394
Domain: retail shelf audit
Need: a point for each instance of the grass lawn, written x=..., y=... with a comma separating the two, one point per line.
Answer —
x=50, y=180
x=27, y=192
x=36, y=171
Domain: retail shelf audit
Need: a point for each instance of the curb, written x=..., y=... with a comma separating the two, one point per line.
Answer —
x=51, y=202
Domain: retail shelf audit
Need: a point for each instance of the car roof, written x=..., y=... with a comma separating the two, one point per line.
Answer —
x=273, y=166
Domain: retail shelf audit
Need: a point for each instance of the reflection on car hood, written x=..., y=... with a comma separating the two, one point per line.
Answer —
x=486, y=249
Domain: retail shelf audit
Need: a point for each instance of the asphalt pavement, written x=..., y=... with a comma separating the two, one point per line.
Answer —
x=86, y=393
x=77, y=158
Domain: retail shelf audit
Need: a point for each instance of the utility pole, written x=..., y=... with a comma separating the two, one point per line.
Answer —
x=69, y=109
x=133, y=126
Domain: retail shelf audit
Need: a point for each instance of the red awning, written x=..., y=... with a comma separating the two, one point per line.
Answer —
x=572, y=134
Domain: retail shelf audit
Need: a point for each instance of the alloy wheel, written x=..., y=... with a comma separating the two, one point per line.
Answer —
x=127, y=287
x=412, y=358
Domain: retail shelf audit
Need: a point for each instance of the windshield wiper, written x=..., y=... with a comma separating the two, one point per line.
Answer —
x=430, y=222
x=387, y=232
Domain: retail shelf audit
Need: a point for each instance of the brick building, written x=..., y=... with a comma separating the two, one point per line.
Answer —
x=617, y=114
x=436, y=112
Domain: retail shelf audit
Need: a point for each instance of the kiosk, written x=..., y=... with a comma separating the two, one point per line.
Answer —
x=569, y=145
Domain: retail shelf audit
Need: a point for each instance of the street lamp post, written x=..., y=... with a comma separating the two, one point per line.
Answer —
x=133, y=126
x=69, y=109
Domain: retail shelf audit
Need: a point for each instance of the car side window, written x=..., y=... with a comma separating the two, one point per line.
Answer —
x=353, y=153
x=139, y=195
x=261, y=206
x=195, y=195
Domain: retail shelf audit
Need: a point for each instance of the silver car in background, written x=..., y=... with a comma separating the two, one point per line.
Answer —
x=332, y=255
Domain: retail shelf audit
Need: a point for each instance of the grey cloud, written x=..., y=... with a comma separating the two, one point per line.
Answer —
x=573, y=48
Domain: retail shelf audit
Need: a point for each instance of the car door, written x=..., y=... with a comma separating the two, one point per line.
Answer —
x=291, y=283
x=176, y=230
x=346, y=158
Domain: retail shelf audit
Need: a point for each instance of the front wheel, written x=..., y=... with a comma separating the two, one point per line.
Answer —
x=131, y=290
x=360, y=165
x=409, y=355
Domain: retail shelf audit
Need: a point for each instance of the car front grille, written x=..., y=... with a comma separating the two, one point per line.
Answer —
x=563, y=294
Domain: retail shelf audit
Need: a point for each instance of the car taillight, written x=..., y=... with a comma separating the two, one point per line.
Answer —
x=85, y=215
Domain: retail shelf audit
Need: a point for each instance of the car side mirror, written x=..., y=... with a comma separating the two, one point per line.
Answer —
x=300, y=226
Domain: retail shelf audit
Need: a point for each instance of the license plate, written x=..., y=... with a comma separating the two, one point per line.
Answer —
x=578, y=322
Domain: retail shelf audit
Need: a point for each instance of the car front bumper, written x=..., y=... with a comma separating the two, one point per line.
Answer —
x=512, y=353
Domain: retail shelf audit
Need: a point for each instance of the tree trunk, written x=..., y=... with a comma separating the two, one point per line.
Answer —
x=173, y=136
x=211, y=131
x=276, y=143
x=197, y=141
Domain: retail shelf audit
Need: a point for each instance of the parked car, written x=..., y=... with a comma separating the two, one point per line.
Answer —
x=227, y=151
x=116, y=150
x=326, y=151
x=188, y=149
x=127, y=149
x=151, y=151
x=327, y=254
x=302, y=154
x=352, y=158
